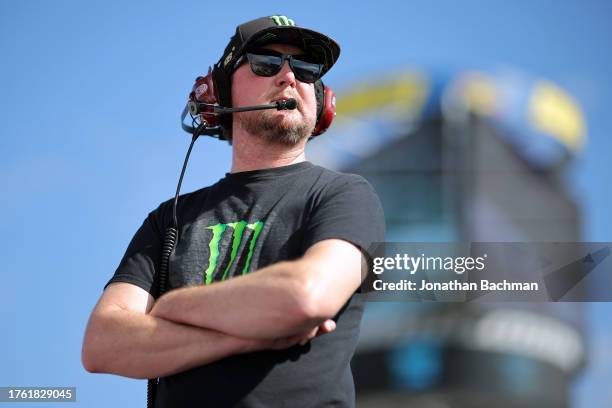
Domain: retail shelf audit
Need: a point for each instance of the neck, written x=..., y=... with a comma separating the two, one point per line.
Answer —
x=252, y=153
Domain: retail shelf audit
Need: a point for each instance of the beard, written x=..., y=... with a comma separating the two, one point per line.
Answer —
x=275, y=130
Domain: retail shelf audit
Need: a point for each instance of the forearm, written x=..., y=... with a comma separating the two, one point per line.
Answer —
x=137, y=345
x=271, y=302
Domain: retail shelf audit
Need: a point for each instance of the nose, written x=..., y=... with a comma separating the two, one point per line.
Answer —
x=285, y=76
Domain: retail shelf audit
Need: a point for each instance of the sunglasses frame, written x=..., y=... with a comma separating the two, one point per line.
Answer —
x=284, y=57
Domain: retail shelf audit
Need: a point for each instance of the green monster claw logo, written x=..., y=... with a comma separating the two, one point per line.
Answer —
x=218, y=231
x=282, y=20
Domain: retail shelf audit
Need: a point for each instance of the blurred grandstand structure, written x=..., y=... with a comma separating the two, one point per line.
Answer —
x=467, y=156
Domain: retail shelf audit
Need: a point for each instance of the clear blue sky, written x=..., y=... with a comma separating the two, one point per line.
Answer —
x=90, y=94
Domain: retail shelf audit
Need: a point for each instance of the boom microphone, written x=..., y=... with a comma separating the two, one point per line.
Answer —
x=196, y=108
x=289, y=104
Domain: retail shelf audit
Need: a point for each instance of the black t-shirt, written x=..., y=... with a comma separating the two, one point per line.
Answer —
x=244, y=222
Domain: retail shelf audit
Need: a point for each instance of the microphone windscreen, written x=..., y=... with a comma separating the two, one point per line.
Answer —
x=291, y=104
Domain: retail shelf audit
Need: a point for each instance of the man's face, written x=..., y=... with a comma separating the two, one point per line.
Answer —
x=287, y=127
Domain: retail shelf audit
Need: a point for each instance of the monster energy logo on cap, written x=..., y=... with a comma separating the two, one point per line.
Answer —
x=282, y=20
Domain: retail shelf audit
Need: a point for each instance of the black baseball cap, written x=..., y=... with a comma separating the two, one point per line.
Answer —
x=283, y=30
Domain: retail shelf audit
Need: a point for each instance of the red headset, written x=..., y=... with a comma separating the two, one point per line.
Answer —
x=205, y=91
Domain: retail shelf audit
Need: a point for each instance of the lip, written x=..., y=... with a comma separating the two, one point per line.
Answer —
x=283, y=98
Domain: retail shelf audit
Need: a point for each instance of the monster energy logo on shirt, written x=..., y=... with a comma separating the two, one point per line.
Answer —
x=282, y=20
x=238, y=228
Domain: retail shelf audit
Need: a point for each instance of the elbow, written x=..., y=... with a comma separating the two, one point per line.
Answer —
x=89, y=358
x=311, y=303
x=92, y=351
x=89, y=365
x=103, y=350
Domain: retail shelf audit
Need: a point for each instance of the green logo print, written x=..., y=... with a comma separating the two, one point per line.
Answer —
x=282, y=21
x=213, y=245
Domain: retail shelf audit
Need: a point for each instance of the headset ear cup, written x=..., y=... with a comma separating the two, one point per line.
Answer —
x=327, y=108
x=204, y=91
x=223, y=91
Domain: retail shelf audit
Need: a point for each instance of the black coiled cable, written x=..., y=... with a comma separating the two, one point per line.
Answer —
x=167, y=248
x=170, y=239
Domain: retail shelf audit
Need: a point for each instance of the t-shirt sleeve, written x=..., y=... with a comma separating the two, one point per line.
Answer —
x=349, y=209
x=140, y=262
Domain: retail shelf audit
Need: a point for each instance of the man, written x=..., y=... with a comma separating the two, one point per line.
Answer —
x=264, y=307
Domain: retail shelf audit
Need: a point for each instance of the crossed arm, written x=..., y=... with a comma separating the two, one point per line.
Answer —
x=273, y=308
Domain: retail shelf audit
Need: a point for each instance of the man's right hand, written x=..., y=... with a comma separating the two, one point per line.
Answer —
x=327, y=326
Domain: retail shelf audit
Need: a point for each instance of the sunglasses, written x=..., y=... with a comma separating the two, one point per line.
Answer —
x=268, y=63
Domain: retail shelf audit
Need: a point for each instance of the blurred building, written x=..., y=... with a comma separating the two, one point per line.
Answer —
x=463, y=157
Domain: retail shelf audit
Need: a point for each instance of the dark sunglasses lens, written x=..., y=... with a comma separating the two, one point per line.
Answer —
x=306, y=71
x=270, y=64
x=264, y=65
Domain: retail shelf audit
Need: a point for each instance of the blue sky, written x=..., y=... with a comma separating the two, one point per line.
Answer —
x=90, y=98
